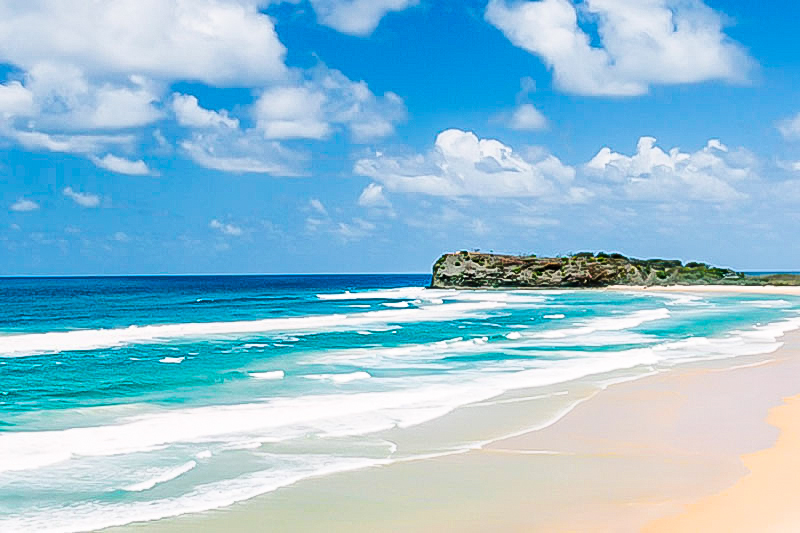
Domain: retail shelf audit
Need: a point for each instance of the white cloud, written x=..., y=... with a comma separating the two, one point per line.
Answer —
x=292, y=113
x=356, y=17
x=372, y=196
x=225, y=228
x=243, y=152
x=89, y=65
x=219, y=143
x=318, y=206
x=15, y=99
x=85, y=145
x=121, y=236
x=524, y=117
x=219, y=42
x=120, y=165
x=642, y=43
x=118, y=108
x=355, y=230
x=527, y=117
x=708, y=175
x=461, y=164
x=790, y=128
x=66, y=99
x=317, y=104
x=83, y=199
x=190, y=114
x=315, y=107
x=74, y=144
x=792, y=166
x=23, y=205
x=320, y=221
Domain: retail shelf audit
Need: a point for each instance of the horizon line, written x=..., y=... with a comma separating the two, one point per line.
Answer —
x=255, y=274
x=218, y=274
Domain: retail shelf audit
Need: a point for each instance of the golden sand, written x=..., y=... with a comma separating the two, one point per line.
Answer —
x=765, y=500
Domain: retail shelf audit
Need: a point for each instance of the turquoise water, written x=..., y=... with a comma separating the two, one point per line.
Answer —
x=128, y=399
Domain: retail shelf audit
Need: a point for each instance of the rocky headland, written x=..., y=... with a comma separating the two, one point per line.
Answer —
x=481, y=270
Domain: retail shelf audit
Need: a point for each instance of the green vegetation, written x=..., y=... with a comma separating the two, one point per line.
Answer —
x=585, y=269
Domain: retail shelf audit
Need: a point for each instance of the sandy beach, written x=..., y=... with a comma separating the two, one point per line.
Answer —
x=702, y=447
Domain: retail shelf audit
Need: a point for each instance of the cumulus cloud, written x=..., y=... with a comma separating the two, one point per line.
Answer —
x=121, y=165
x=711, y=174
x=464, y=168
x=356, y=17
x=89, y=65
x=219, y=42
x=327, y=99
x=83, y=199
x=225, y=228
x=315, y=105
x=65, y=99
x=220, y=143
x=189, y=113
x=461, y=164
x=90, y=69
x=23, y=205
x=790, y=128
x=292, y=113
x=641, y=43
x=61, y=99
x=15, y=99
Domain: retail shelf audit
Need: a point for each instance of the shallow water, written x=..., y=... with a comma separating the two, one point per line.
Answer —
x=128, y=399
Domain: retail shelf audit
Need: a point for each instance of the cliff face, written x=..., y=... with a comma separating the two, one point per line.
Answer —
x=478, y=270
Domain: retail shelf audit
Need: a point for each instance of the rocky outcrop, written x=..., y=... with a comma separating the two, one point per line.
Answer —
x=480, y=270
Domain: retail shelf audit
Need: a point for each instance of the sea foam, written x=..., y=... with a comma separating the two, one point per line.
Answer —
x=172, y=360
x=80, y=340
x=272, y=375
x=163, y=477
x=340, y=378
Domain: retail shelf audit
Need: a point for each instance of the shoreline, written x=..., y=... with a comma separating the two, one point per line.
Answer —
x=651, y=429
x=763, y=500
x=717, y=289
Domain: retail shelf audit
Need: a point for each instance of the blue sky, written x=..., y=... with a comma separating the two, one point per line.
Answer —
x=232, y=136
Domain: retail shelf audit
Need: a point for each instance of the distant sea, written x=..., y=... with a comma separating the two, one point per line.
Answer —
x=767, y=273
x=137, y=398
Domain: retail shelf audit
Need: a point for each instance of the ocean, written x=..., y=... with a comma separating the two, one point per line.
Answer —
x=138, y=398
